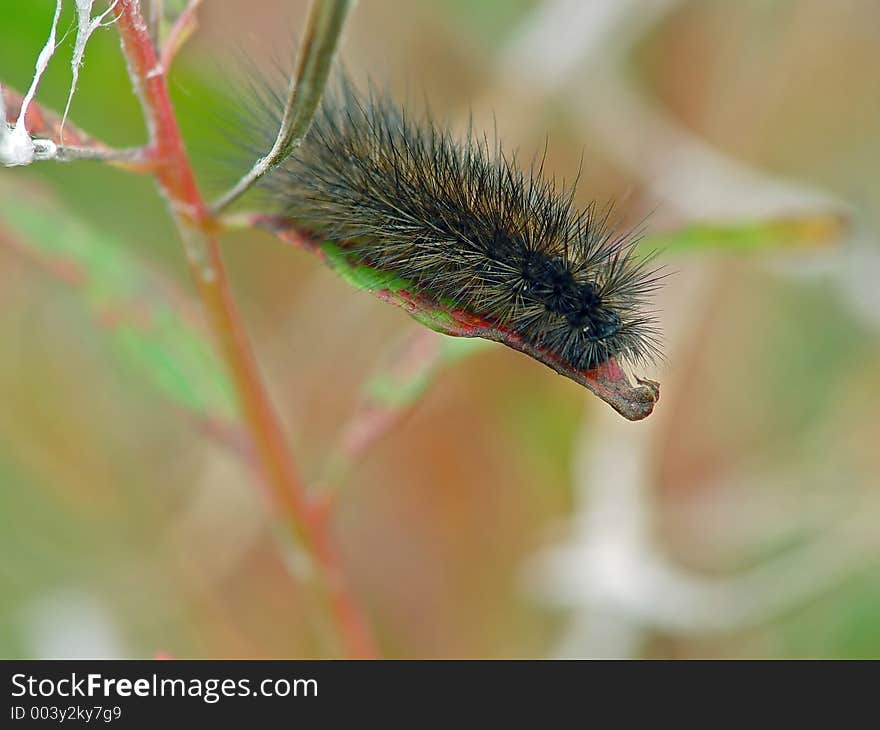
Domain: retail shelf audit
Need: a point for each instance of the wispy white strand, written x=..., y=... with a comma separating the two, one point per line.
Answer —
x=16, y=145
x=85, y=26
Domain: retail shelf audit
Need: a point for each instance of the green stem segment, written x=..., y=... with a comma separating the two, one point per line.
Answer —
x=317, y=51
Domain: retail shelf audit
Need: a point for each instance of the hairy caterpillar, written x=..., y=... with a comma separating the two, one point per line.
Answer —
x=466, y=226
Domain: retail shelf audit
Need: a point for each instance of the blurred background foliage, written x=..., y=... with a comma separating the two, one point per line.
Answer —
x=506, y=519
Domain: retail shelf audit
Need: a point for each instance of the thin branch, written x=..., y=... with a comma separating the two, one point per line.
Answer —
x=16, y=145
x=156, y=14
x=70, y=153
x=43, y=122
x=86, y=25
x=387, y=397
x=316, y=54
x=42, y=62
x=197, y=227
x=183, y=27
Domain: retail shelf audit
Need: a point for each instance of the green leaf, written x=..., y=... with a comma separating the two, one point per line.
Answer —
x=148, y=322
x=607, y=381
x=805, y=231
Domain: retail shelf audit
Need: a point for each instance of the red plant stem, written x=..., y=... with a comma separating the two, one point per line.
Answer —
x=197, y=229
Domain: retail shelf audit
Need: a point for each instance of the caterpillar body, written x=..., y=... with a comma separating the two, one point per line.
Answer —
x=465, y=225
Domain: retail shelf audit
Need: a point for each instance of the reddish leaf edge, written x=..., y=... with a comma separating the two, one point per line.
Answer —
x=608, y=381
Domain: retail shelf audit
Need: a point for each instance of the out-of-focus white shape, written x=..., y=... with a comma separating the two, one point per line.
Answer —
x=70, y=624
x=562, y=36
x=580, y=46
x=612, y=573
x=853, y=268
x=616, y=577
x=679, y=167
x=857, y=281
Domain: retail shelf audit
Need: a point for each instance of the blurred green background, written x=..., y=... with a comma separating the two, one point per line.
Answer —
x=513, y=515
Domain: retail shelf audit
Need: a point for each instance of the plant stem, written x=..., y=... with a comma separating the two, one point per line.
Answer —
x=317, y=51
x=180, y=31
x=198, y=229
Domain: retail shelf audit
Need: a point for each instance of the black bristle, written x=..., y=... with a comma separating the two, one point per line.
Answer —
x=469, y=226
